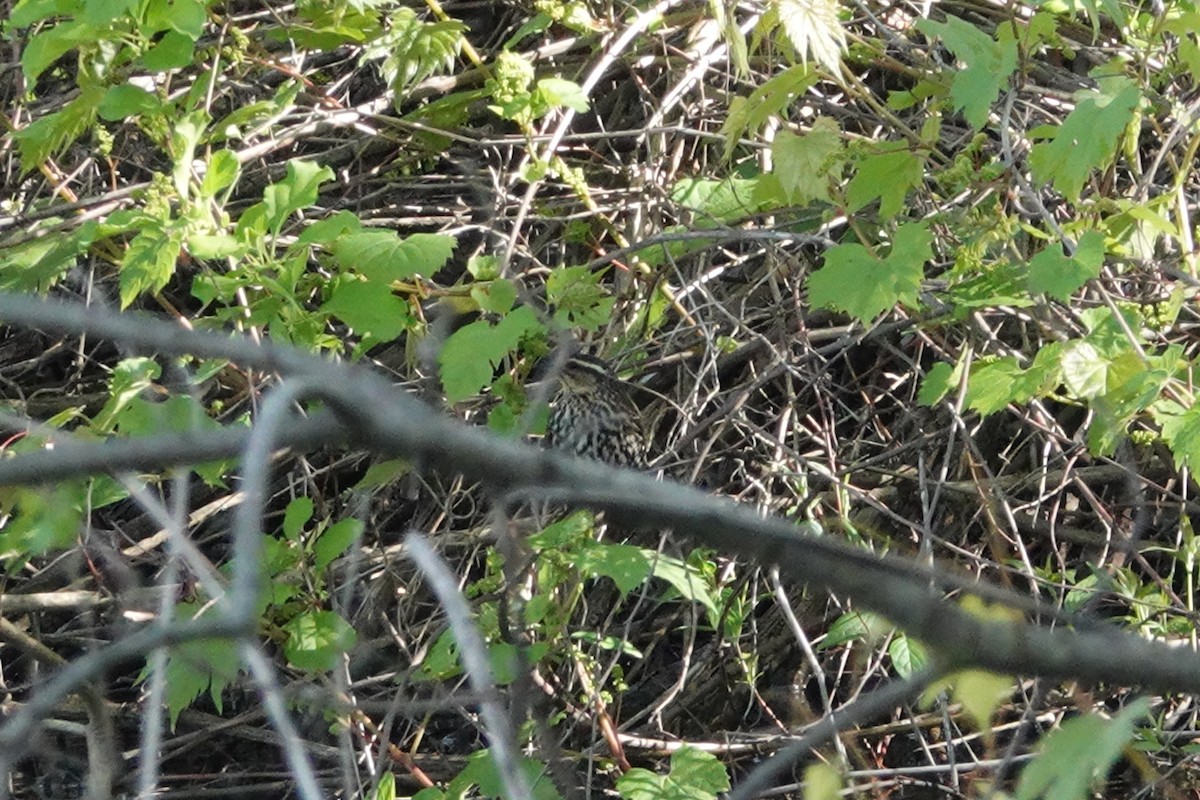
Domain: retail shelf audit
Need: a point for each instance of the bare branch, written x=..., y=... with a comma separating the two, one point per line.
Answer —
x=385, y=421
x=478, y=668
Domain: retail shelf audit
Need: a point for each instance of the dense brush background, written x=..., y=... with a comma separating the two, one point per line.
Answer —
x=715, y=155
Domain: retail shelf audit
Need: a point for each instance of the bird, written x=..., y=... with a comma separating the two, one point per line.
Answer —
x=592, y=414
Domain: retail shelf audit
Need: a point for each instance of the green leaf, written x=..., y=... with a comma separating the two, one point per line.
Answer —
x=27, y=12
x=336, y=540
x=989, y=64
x=1003, y=285
x=196, y=666
x=1054, y=273
x=558, y=93
x=220, y=172
x=1092, y=9
x=331, y=25
x=748, y=115
x=535, y=24
x=991, y=386
x=497, y=296
x=317, y=640
x=468, y=361
x=505, y=419
x=941, y=379
x=568, y=532
x=864, y=285
x=578, y=298
x=471, y=355
x=144, y=417
x=413, y=50
x=981, y=693
x=701, y=770
x=731, y=34
x=1087, y=138
x=370, y=309
x=481, y=770
x=173, y=51
x=812, y=26
x=193, y=667
x=298, y=190
x=806, y=165
x=768, y=193
x=693, y=775
x=1135, y=382
x=41, y=520
x=126, y=101
x=297, y=514
x=383, y=256
x=210, y=246
x=484, y=267
x=854, y=626
x=441, y=662
x=1084, y=370
x=50, y=44
x=507, y=659
x=887, y=176
x=1077, y=755
x=1181, y=432
x=724, y=201
x=52, y=134
x=1107, y=429
x=515, y=326
x=329, y=229
x=1107, y=332
x=149, y=262
x=102, y=12
x=907, y=654
x=626, y=565
x=382, y=473
x=187, y=17
x=130, y=377
x=688, y=581
x=39, y=264
x=386, y=788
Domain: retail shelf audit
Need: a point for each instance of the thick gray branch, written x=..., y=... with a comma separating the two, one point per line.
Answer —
x=386, y=421
x=73, y=459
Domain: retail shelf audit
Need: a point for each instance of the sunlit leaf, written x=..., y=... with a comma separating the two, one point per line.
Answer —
x=888, y=176
x=1078, y=754
x=813, y=28
x=1058, y=275
x=336, y=540
x=1086, y=140
x=370, y=309
x=149, y=262
x=51, y=134
x=384, y=256
x=806, y=165
x=990, y=62
x=317, y=640
x=864, y=285
x=296, y=191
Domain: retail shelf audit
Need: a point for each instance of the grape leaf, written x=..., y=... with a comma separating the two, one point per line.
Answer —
x=864, y=285
x=1059, y=275
x=887, y=176
x=989, y=63
x=1087, y=138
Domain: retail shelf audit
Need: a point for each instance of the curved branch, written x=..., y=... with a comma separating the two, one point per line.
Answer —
x=74, y=458
x=386, y=421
